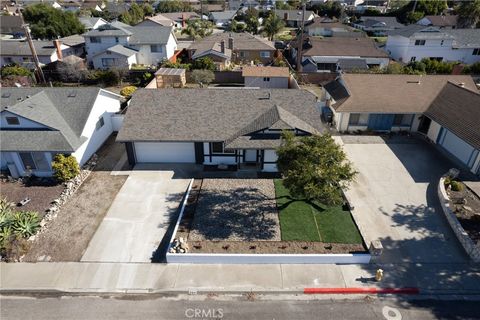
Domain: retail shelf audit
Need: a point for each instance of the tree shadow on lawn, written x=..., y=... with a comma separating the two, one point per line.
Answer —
x=243, y=214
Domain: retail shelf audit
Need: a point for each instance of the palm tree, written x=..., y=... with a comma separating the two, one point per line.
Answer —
x=198, y=29
x=273, y=24
x=469, y=14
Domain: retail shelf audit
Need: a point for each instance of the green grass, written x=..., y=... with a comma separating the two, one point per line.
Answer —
x=303, y=221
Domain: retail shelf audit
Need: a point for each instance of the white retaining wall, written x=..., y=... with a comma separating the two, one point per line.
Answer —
x=472, y=250
x=117, y=121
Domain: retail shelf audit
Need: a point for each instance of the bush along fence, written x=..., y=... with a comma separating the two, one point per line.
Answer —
x=470, y=247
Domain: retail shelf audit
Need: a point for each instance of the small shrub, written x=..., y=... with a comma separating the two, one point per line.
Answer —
x=456, y=186
x=26, y=224
x=128, y=91
x=203, y=77
x=15, y=70
x=14, y=247
x=65, y=167
x=447, y=182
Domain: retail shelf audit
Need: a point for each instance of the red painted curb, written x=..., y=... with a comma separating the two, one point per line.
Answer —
x=371, y=290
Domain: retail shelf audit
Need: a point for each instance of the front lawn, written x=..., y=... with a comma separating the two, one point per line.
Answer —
x=303, y=221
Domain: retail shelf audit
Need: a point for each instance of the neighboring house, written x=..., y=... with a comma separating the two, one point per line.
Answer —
x=180, y=19
x=11, y=25
x=19, y=52
x=92, y=23
x=293, y=18
x=158, y=19
x=119, y=45
x=238, y=127
x=226, y=47
x=170, y=78
x=239, y=4
x=266, y=77
x=443, y=108
x=222, y=18
x=378, y=26
x=415, y=42
x=37, y=123
x=76, y=43
x=70, y=6
x=325, y=54
x=442, y=21
x=327, y=27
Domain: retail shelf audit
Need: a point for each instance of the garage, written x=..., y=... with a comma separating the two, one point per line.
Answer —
x=456, y=146
x=165, y=152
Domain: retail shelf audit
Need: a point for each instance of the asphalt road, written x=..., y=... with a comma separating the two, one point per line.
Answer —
x=148, y=307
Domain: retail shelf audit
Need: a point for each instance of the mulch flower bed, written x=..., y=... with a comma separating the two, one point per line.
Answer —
x=202, y=202
x=466, y=206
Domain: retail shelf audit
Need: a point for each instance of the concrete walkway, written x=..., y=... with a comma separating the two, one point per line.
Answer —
x=138, y=218
x=176, y=278
x=395, y=200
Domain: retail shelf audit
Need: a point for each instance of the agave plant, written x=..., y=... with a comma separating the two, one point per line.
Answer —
x=26, y=223
x=5, y=235
x=5, y=206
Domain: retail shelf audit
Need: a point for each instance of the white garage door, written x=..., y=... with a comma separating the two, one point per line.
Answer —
x=158, y=152
x=457, y=147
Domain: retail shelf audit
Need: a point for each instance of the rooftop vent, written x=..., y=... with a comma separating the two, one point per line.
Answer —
x=414, y=81
x=72, y=94
x=265, y=98
x=6, y=95
x=462, y=84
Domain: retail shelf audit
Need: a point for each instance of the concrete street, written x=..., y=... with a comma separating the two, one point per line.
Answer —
x=395, y=200
x=240, y=307
x=138, y=218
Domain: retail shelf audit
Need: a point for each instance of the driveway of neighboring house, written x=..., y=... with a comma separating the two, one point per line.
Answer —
x=138, y=218
x=395, y=200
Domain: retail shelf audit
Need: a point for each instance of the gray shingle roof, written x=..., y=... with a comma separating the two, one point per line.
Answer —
x=469, y=38
x=109, y=30
x=214, y=114
x=21, y=48
x=242, y=41
x=293, y=15
x=149, y=35
x=121, y=50
x=390, y=22
x=89, y=22
x=223, y=15
x=458, y=110
x=63, y=110
x=11, y=24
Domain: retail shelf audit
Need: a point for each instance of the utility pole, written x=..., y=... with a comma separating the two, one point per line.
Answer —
x=300, y=45
x=414, y=6
x=38, y=69
x=201, y=10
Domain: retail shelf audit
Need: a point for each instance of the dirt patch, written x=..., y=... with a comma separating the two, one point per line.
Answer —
x=273, y=247
x=67, y=236
x=236, y=210
x=41, y=192
x=466, y=206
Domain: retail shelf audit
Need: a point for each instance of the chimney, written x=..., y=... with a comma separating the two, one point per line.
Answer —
x=230, y=42
x=222, y=46
x=57, y=45
x=183, y=20
x=285, y=16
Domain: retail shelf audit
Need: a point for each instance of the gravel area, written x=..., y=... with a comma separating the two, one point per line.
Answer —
x=236, y=210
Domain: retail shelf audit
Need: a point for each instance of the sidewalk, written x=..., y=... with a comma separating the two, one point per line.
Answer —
x=462, y=279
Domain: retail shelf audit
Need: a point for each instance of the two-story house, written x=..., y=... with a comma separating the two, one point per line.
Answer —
x=119, y=45
x=378, y=26
x=415, y=42
x=19, y=52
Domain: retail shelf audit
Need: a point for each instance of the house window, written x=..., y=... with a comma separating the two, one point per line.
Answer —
x=412, y=59
x=441, y=42
x=8, y=60
x=100, y=123
x=476, y=52
x=419, y=42
x=34, y=161
x=358, y=119
x=13, y=121
x=95, y=40
x=108, y=62
x=267, y=79
x=403, y=120
x=116, y=39
x=156, y=48
x=265, y=54
x=217, y=147
x=242, y=54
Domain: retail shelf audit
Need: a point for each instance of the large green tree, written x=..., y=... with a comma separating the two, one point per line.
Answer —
x=272, y=25
x=198, y=29
x=314, y=167
x=469, y=14
x=173, y=6
x=251, y=21
x=47, y=22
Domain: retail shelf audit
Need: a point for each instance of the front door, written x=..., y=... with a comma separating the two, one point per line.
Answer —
x=380, y=122
x=250, y=155
x=424, y=125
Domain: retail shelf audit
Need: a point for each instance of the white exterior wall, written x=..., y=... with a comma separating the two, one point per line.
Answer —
x=121, y=62
x=403, y=49
x=382, y=62
x=457, y=147
x=273, y=83
x=105, y=106
x=270, y=156
x=433, y=131
x=107, y=42
x=229, y=159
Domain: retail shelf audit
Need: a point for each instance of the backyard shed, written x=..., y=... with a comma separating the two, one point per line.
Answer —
x=170, y=77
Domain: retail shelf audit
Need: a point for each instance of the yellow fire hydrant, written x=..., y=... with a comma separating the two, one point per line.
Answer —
x=379, y=275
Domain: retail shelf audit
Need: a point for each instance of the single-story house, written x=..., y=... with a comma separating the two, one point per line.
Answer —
x=444, y=108
x=226, y=47
x=239, y=127
x=37, y=123
x=293, y=18
x=180, y=19
x=441, y=21
x=222, y=18
x=325, y=54
x=12, y=25
x=19, y=52
x=328, y=27
x=92, y=23
x=266, y=77
x=158, y=19
x=378, y=26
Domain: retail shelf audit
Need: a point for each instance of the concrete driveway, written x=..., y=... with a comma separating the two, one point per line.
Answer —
x=138, y=218
x=395, y=200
